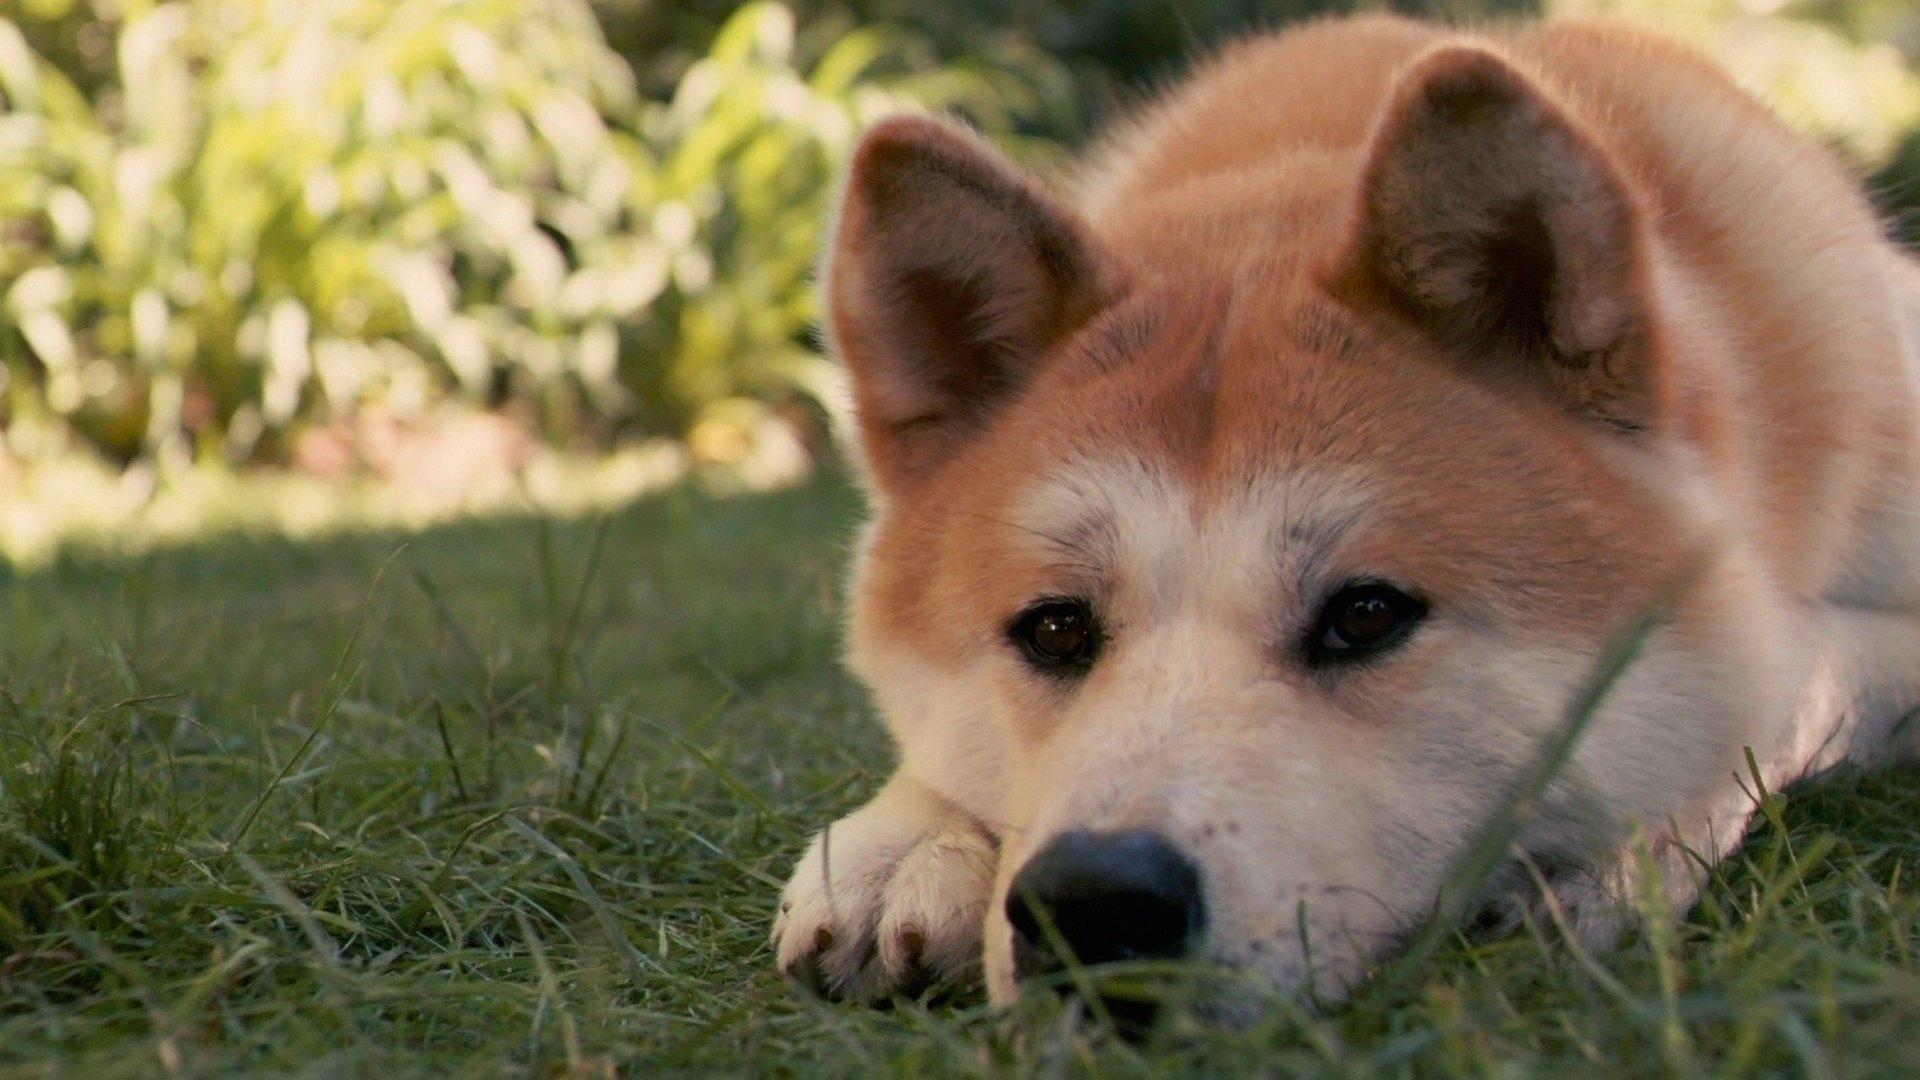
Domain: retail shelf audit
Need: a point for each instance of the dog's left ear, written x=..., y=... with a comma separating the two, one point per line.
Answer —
x=1496, y=223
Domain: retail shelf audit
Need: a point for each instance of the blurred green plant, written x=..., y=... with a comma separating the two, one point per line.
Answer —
x=259, y=213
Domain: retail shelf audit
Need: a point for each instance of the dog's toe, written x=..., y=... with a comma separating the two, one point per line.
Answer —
x=930, y=921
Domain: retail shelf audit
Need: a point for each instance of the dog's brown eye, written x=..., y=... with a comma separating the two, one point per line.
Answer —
x=1362, y=620
x=1060, y=637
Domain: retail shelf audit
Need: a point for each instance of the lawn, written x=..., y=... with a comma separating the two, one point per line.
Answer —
x=516, y=796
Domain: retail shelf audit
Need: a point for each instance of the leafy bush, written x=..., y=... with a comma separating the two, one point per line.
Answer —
x=263, y=213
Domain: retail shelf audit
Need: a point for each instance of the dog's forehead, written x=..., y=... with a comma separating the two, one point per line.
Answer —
x=1127, y=520
x=1219, y=425
x=1231, y=384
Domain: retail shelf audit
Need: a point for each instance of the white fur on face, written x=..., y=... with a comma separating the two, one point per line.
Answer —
x=1323, y=817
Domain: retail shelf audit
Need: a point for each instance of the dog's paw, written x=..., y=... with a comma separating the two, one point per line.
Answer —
x=1597, y=905
x=887, y=901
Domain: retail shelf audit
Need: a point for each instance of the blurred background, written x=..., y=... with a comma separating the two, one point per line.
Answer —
x=294, y=264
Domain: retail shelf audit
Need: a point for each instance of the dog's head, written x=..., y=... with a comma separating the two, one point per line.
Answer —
x=1235, y=590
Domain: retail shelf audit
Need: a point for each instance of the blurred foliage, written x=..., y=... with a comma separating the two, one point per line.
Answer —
x=226, y=221
x=220, y=218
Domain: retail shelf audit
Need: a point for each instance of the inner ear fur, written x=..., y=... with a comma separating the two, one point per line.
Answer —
x=1497, y=223
x=951, y=279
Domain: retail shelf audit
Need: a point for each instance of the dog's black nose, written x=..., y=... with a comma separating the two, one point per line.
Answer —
x=1106, y=896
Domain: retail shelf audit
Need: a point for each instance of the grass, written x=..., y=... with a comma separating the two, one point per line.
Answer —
x=516, y=796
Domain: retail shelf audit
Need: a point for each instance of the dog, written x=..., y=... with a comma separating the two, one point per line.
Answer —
x=1248, y=522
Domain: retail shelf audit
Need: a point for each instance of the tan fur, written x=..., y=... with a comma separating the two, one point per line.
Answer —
x=1277, y=342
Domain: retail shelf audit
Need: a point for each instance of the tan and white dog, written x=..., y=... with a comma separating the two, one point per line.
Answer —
x=1246, y=521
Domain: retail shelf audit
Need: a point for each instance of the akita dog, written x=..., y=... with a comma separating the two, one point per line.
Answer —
x=1245, y=522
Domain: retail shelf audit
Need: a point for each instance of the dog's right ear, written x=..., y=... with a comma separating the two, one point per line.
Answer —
x=952, y=277
x=1495, y=222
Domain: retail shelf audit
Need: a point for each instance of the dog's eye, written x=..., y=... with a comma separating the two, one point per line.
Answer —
x=1058, y=636
x=1361, y=620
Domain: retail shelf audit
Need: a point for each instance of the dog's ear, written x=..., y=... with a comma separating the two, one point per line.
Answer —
x=1493, y=220
x=952, y=277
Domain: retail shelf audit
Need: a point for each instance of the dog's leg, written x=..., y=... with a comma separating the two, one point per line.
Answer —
x=889, y=899
x=1861, y=706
